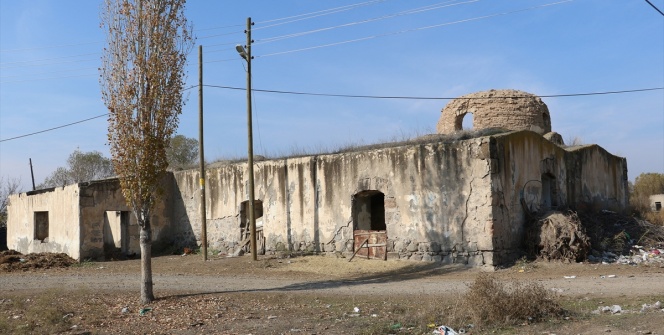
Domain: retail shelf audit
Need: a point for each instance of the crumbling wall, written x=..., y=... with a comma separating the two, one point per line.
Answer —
x=523, y=159
x=535, y=175
x=509, y=109
x=597, y=179
x=436, y=199
x=63, y=217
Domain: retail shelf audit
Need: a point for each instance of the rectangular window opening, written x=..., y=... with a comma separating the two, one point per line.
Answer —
x=41, y=226
x=658, y=206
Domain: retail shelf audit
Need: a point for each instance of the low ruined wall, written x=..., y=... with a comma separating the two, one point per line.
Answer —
x=101, y=203
x=63, y=218
x=534, y=175
x=436, y=200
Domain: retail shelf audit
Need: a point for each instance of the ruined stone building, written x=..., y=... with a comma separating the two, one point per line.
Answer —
x=452, y=197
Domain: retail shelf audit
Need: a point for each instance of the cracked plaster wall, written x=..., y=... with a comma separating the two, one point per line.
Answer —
x=437, y=200
x=583, y=177
x=63, y=216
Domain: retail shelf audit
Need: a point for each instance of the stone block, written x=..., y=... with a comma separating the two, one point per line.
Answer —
x=475, y=260
x=427, y=258
x=412, y=247
x=415, y=257
x=399, y=246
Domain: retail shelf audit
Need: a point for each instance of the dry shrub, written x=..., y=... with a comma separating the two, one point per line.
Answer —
x=491, y=303
x=558, y=236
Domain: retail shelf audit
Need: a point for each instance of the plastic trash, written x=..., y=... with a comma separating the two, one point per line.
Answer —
x=570, y=277
x=125, y=310
x=445, y=330
x=144, y=310
x=356, y=309
x=396, y=326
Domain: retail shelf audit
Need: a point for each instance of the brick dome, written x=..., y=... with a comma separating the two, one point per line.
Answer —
x=509, y=109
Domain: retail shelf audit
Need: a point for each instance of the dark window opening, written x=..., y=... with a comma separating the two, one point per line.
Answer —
x=41, y=226
x=369, y=211
x=549, y=192
x=658, y=206
x=244, y=213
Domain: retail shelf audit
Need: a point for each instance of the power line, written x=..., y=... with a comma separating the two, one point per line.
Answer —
x=54, y=128
x=389, y=16
x=433, y=98
x=359, y=96
x=416, y=29
x=653, y=6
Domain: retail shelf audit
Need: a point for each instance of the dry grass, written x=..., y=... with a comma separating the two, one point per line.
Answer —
x=43, y=314
x=490, y=302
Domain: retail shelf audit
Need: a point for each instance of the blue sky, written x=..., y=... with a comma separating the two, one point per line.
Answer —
x=50, y=52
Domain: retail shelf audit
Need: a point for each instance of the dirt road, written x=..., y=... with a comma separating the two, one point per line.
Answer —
x=334, y=276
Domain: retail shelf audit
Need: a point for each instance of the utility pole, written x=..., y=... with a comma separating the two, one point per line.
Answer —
x=32, y=173
x=250, y=149
x=201, y=153
x=246, y=54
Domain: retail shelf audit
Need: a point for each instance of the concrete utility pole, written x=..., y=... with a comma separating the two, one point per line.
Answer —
x=246, y=54
x=201, y=153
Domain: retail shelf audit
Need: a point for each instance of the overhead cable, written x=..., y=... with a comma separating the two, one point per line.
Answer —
x=359, y=96
x=415, y=29
x=402, y=13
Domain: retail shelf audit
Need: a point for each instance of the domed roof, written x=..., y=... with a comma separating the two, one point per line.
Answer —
x=509, y=109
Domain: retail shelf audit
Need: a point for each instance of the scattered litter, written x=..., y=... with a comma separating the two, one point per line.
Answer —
x=270, y=317
x=615, y=309
x=143, y=311
x=445, y=330
x=356, y=309
x=125, y=310
x=374, y=315
x=397, y=326
x=647, y=307
x=570, y=277
x=68, y=315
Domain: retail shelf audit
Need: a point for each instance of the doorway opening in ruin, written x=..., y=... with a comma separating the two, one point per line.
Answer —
x=116, y=234
x=245, y=231
x=464, y=121
x=369, y=228
x=549, y=199
x=467, y=123
x=41, y=226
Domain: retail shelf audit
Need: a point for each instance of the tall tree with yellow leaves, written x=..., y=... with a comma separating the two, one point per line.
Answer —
x=142, y=80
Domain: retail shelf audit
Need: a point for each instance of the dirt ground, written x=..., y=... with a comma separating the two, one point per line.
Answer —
x=309, y=295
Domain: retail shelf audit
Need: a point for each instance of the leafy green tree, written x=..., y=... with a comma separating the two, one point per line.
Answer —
x=81, y=167
x=142, y=81
x=182, y=152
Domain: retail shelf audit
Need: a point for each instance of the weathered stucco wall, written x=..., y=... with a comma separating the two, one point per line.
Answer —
x=106, y=218
x=436, y=201
x=63, y=231
x=85, y=221
x=539, y=175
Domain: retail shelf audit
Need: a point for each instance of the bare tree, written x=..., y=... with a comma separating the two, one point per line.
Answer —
x=7, y=187
x=142, y=81
x=81, y=166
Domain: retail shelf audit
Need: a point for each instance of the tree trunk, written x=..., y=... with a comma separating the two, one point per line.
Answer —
x=146, y=261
